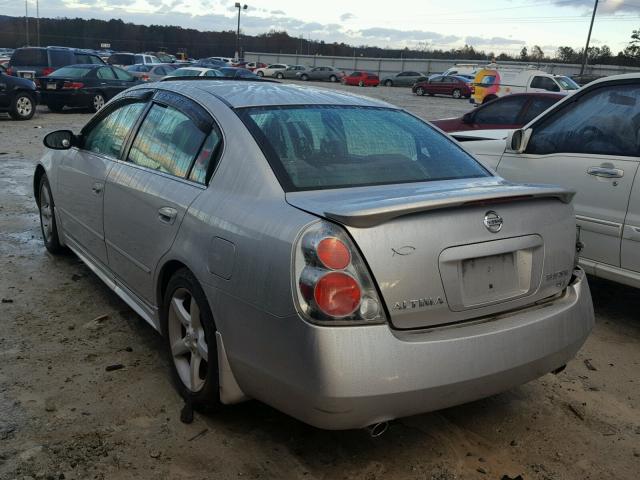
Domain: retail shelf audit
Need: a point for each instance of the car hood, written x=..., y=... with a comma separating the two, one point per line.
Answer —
x=369, y=206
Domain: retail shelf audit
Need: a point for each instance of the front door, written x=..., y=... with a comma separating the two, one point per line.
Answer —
x=82, y=175
x=147, y=196
x=590, y=146
x=630, y=256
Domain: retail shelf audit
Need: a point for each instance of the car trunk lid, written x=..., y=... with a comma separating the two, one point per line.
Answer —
x=450, y=251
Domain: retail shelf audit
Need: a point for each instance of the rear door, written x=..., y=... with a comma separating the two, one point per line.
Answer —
x=147, y=195
x=591, y=146
x=107, y=82
x=82, y=175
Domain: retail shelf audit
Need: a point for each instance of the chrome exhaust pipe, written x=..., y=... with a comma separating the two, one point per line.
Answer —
x=377, y=429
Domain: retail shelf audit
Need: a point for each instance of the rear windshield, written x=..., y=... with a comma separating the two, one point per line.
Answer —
x=121, y=59
x=70, y=72
x=30, y=57
x=318, y=147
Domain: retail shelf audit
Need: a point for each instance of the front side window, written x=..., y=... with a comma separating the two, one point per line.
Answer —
x=502, y=112
x=315, y=147
x=108, y=136
x=605, y=121
x=567, y=83
x=168, y=141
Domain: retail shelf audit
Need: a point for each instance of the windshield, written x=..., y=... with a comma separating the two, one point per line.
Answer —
x=70, y=72
x=317, y=147
x=567, y=84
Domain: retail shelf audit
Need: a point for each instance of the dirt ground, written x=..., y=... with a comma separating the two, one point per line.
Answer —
x=63, y=415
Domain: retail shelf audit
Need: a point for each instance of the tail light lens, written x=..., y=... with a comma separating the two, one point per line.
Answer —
x=72, y=85
x=9, y=71
x=333, y=285
x=46, y=71
x=145, y=78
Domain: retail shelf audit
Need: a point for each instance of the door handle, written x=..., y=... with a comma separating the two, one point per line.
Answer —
x=606, y=172
x=167, y=215
x=97, y=188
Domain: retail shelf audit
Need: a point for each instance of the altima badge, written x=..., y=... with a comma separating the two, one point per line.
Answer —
x=493, y=221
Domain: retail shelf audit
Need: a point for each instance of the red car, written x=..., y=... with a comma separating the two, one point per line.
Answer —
x=362, y=79
x=457, y=87
x=511, y=111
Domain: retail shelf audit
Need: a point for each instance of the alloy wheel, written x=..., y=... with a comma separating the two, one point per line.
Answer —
x=98, y=102
x=46, y=213
x=24, y=106
x=189, y=349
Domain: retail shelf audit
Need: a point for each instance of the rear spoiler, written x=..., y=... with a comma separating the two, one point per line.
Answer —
x=375, y=212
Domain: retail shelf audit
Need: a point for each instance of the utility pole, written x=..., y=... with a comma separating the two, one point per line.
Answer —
x=240, y=7
x=38, y=21
x=586, y=48
x=26, y=19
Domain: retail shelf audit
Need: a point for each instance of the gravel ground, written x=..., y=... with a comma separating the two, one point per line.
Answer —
x=62, y=415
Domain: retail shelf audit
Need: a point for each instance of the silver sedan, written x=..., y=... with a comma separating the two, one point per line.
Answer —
x=330, y=255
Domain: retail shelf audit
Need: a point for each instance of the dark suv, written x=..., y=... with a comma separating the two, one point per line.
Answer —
x=32, y=62
x=18, y=96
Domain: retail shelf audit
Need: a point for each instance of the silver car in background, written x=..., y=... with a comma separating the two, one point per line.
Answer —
x=330, y=255
x=330, y=74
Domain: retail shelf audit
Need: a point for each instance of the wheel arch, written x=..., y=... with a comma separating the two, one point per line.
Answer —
x=166, y=272
x=37, y=177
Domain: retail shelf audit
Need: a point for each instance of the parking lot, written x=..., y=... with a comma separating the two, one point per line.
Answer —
x=84, y=389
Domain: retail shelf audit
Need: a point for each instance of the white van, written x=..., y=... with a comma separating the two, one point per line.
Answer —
x=492, y=82
x=462, y=69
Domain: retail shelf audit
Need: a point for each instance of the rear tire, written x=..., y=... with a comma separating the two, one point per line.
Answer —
x=456, y=93
x=190, y=339
x=279, y=76
x=48, y=224
x=304, y=78
x=55, y=107
x=420, y=91
x=23, y=107
x=361, y=83
x=97, y=102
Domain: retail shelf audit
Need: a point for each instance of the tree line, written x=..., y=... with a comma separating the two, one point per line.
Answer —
x=82, y=33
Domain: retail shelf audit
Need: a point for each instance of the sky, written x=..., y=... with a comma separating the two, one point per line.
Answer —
x=490, y=25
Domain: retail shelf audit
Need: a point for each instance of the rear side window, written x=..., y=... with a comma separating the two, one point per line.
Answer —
x=316, y=147
x=70, y=72
x=105, y=73
x=109, y=134
x=168, y=141
x=203, y=166
x=537, y=106
x=60, y=58
x=35, y=57
x=122, y=75
x=501, y=112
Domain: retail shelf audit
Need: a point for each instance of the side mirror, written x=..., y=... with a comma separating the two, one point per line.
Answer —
x=467, y=118
x=518, y=139
x=60, y=140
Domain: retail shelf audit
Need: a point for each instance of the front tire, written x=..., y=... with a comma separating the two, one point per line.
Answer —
x=97, y=102
x=361, y=83
x=420, y=91
x=190, y=337
x=48, y=224
x=304, y=78
x=456, y=93
x=333, y=79
x=388, y=83
x=260, y=73
x=279, y=76
x=23, y=107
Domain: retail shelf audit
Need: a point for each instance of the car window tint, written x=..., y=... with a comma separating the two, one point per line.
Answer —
x=331, y=147
x=70, y=72
x=36, y=57
x=604, y=121
x=95, y=60
x=202, y=166
x=504, y=111
x=545, y=83
x=122, y=75
x=108, y=136
x=168, y=141
x=60, y=58
x=105, y=73
x=82, y=58
x=537, y=106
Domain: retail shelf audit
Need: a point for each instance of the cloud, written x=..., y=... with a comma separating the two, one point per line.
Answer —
x=394, y=35
x=493, y=41
x=347, y=16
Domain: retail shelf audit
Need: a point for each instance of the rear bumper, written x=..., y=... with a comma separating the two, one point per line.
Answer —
x=351, y=377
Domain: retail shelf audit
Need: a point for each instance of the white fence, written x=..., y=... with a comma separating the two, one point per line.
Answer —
x=387, y=66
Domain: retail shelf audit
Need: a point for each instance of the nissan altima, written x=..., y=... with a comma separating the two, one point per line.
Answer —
x=330, y=255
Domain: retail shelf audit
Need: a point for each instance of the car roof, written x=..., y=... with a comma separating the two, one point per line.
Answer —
x=240, y=94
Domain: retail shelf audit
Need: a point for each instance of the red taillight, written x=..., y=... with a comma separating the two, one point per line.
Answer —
x=46, y=71
x=72, y=85
x=333, y=253
x=145, y=77
x=337, y=294
x=9, y=71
